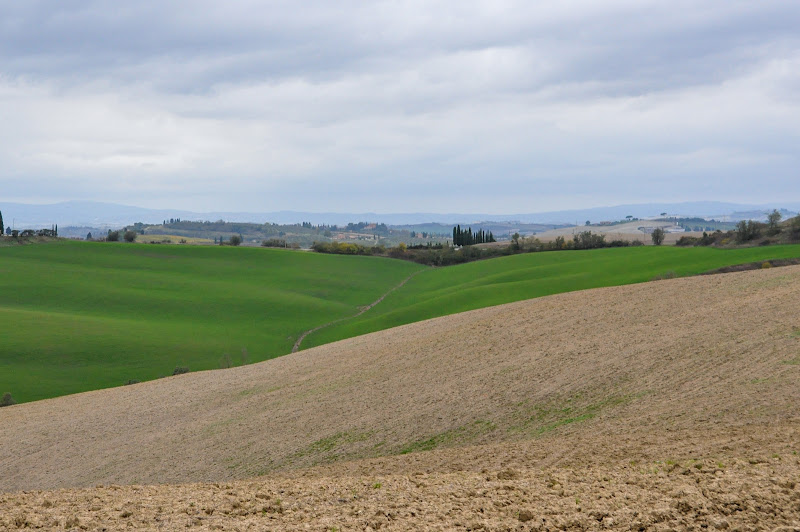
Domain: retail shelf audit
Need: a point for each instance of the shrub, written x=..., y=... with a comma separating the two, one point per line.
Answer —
x=180, y=370
x=747, y=230
x=235, y=240
x=130, y=236
x=619, y=244
x=688, y=241
x=7, y=400
x=131, y=381
x=795, y=226
x=274, y=243
x=588, y=240
x=112, y=236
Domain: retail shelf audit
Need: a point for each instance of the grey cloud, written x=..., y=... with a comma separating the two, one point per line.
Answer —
x=375, y=100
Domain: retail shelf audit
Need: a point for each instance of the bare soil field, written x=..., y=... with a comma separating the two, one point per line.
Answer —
x=664, y=405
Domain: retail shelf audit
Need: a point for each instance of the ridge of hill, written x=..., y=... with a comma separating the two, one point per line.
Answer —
x=99, y=214
x=593, y=370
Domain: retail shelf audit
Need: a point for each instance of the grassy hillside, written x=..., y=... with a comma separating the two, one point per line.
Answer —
x=664, y=373
x=439, y=292
x=81, y=316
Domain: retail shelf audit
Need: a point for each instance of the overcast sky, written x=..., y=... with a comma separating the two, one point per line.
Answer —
x=399, y=106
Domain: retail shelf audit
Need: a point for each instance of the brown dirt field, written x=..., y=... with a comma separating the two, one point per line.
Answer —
x=665, y=405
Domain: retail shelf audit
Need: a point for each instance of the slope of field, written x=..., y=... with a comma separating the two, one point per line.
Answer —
x=611, y=373
x=438, y=292
x=79, y=316
x=666, y=405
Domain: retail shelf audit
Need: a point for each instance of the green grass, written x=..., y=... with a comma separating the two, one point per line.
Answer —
x=81, y=316
x=443, y=291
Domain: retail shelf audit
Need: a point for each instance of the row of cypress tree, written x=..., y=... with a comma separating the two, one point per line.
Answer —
x=466, y=237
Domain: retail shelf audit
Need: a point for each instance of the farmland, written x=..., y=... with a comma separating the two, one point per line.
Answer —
x=81, y=316
x=667, y=405
x=439, y=292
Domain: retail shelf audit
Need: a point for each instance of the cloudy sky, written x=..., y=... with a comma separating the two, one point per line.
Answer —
x=399, y=106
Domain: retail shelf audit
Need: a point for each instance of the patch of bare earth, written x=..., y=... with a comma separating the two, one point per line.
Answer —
x=664, y=405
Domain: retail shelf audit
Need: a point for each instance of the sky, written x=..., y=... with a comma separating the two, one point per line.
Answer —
x=399, y=106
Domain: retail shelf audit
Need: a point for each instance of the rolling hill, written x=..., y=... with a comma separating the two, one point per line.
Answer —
x=442, y=291
x=669, y=404
x=83, y=316
x=661, y=405
x=80, y=316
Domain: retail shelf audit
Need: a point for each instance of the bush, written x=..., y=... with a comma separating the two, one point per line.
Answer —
x=795, y=226
x=588, y=240
x=747, y=230
x=235, y=240
x=130, y=236
x=112, y=236
x=180, y=370
x=688, y=241
x=7, y=400
x=274, y=243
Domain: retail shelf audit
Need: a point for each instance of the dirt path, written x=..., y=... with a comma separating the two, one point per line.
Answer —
x=362, y=310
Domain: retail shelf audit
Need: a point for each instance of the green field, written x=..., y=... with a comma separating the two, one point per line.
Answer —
x=80, y=316
x=438, y=292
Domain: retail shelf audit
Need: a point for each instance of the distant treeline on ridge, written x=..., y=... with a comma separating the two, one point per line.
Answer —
x=468, y=238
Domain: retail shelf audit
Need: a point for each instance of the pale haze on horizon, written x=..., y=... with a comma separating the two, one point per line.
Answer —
x=436, y=106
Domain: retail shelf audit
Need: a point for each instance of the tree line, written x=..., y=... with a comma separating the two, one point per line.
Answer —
x=466, y=237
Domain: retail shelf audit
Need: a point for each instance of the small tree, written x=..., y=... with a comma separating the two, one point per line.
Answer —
x=7, y=400
x=89, y=235
x=236, y=240
x=796, y=226
x=1, y=221
x=130, y=236
x=112, y=236
x=772, y=222
x=657, y=236
x=747, y=230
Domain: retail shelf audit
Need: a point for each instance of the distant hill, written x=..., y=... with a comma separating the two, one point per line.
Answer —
x=89, y=214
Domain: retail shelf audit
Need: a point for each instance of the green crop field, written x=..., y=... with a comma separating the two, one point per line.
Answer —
x=443, y=291
x=80, y=316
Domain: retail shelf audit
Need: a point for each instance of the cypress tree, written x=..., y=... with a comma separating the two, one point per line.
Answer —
x=1, y=223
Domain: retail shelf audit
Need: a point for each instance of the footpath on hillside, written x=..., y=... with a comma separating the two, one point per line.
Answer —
x=361, y=310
